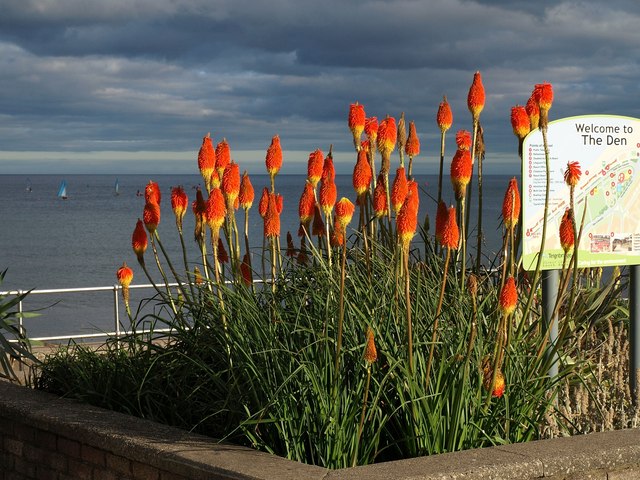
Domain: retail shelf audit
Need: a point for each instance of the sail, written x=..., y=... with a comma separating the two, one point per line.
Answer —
x=117, y=187
x=62, y=190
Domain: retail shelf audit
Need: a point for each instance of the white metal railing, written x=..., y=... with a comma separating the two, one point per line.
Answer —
x=117, y=331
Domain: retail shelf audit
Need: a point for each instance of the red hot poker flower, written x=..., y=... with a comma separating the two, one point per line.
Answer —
x=511, y=205
x=406, y=222
x=315, y=166
x=461, y=169
x=463, y=139
x=231, y=184
x=206, y=159
x=328, y=168
x=223, y=256
x=412, y=194
x=441, y=219
x=273, y=160
x=291, y=249
x=371, y=128
x=245, y=269
x=152, y=193
x=328, y=195
x=246, y=194
x=216, y=211
x=124, y=275
x=412, y=148
x=362, y=174
x=370, y=352
x=508, y=297
x=306, y=205
x=399, y=190
x=139, y=241
x=450, y=233
x=337, y=235
x=380, y=206
x=264, y=202
x=223, y=156
x=356, y=122
x=476, y=96
x=543, y=95
x=317, y=228
x=272, y=218
x=387, y=136
x=344, y=212
x=151, y=216
x=572, y=174
x=567, y=238
x=179, y=204
x=533, y=112
x=444, y=117
x=520, y=121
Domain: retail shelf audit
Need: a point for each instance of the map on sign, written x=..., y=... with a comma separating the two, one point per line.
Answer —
x=607, y=148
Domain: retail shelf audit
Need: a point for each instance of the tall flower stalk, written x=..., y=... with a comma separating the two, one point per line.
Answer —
x=475, y=103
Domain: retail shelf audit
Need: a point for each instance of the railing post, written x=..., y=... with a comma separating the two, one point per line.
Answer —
x=21, y=332
x=550, y=283
x=116, y=313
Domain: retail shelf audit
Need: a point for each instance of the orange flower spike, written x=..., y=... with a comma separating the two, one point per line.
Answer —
x=223, y=256
x=444, y=117
x=463, y=139
x=214, y=180
x=291, y=250
x=370, y=352
x=387, y=137
x=139, y=241
x=543, y=95
x=380, y=206
x=520, y=121
x=450, y=233
x=245, y=269
x=508, y=297
x=317, y=228
x=441, y=219
x=152, y=193
x=511, y=205
x=179, y=204
x=124, y=275
x=567, y=239
x=272, y=218
x=356, y=122
x=306, y=205
x=223, y=156
x=206, y=159
x=199, y=206
x=412, y=194
x=572, y=174
x=362, y=174
x=371, y=128
x=461, y=169
x=328, y=168
x=533, y=112
x=344, y=212
x=406, y=223
x=412, y=148
x=264, y=202
x=246, y=194
x=328, y=195
x=337, y=235
x=399, y=190
x=315, y=167
x=279, y=203
x=151, y=216
x=476, y=96
x=216, y=211
x=273, y=160
x=231, y=184
x=498, y=389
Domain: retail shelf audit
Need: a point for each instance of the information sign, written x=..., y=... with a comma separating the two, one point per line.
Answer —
x=607, y=149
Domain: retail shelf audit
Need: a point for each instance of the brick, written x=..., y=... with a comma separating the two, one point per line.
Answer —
x=46, y=440
x=27, y=469
x=13, y=446
x=92, y=455
x=171, y=476
x=23, y=432
x=80, y=470
x=45, y=473
x=105, y=475
x=68, y=447
x=33, y=454
x=143, y=471
x=118, y=464
x=56, y=461
x=6, y=427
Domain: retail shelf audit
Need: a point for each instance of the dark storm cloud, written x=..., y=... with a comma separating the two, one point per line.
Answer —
x=158, y=74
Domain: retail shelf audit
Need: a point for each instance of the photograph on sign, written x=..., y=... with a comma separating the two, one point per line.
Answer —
x=607, y=149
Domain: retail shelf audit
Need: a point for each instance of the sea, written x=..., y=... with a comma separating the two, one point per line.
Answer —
x=52, y=243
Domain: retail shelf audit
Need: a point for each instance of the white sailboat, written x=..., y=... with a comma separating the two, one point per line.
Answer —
x=62, y=190
x=116, y=187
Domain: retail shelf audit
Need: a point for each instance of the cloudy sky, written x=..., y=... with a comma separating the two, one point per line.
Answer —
x=133, y=85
